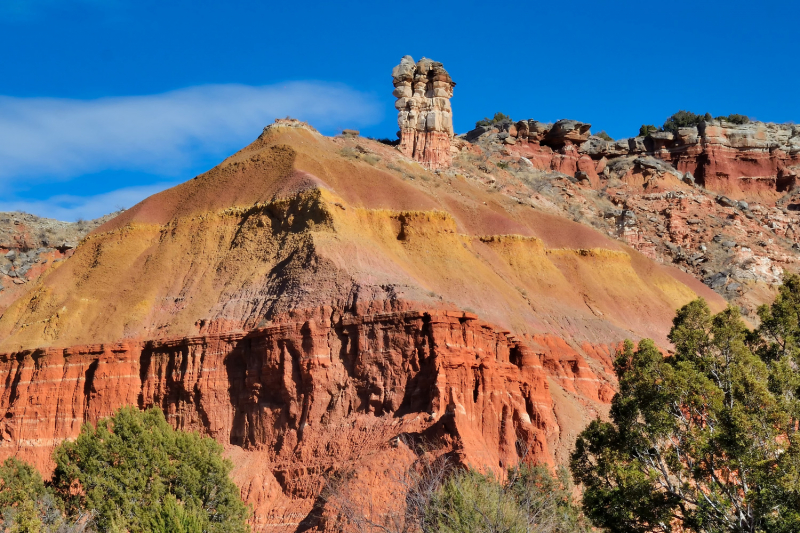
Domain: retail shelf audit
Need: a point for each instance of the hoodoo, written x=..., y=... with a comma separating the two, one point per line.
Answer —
x=423, y=92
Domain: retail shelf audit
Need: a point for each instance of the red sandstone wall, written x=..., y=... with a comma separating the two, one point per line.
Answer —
x=305, y=398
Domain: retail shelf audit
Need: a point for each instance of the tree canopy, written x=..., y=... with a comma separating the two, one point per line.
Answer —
x=136, y=473
x=706, y=439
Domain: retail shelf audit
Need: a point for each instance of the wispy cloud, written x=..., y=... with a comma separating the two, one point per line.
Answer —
x=50, y=138
x=73, y=207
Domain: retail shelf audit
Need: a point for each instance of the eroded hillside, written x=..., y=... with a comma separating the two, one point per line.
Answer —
x=719, y=202
x=312, y=299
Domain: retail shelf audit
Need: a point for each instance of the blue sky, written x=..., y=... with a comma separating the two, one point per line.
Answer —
x=103, y=102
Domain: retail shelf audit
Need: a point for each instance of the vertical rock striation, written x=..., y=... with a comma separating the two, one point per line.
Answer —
x=423, y=92
x=314, y=396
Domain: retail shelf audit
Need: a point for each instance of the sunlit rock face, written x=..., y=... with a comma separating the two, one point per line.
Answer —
x=423, y=92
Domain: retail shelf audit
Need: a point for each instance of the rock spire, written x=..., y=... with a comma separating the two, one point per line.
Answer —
x=423, y=92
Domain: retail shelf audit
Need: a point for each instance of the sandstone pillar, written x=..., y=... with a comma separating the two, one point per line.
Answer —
x=423, y=92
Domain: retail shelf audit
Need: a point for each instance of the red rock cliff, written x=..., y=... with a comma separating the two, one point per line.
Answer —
x=750, y=160
x=314, y=395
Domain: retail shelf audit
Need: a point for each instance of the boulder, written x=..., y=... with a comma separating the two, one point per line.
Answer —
x=636, y=144
x=716, y=281
x=567, y=131
x=473, y=135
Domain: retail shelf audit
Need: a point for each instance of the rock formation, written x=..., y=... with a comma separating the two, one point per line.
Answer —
x=423, y=91
x=756, y=159
x=647, y=192
x=310, y=396
x=308, y=303
x=750, y=160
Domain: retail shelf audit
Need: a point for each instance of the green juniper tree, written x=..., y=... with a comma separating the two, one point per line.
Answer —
x=19, y=482
x=135, y=473
x=27, y=504
x=705, y=440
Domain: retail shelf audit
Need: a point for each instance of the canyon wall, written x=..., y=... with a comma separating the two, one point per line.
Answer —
x=312, y=303
x=316, y=395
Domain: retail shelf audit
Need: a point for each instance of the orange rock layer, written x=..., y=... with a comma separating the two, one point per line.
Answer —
x=311, y=396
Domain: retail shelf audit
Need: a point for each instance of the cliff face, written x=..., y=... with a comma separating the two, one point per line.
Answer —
x=753, y=160
x=312, y=299
x=313, y=395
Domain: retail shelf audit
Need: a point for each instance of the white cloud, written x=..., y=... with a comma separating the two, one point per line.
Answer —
x=42, y=139
x=71, y=207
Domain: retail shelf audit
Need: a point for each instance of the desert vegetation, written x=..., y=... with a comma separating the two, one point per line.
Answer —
x=686, y=119
x=498, y=118
x=705, y=439
x=132, y=472
x=444, y=497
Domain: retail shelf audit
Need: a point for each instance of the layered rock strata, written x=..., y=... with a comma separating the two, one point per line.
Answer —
x=30, y=245
x=311, y=396
x=739, y=248
x=302, y=303
x=423, y=91
x=753, y=160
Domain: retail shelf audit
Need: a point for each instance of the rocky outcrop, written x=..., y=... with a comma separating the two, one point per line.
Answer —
x=567, y=132
x=632, y=189
x=423, y=91
x=312, y=394
x=753, y=160
x=29, y=245
x=750, y=160
x=746, y=159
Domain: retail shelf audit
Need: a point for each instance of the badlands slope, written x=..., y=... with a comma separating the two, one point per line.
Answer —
x=311, y=299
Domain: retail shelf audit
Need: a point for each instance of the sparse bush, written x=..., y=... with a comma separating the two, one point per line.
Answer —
x=497, y=119
x=441, y=497
x=371, y=159
x=684, y=119
x=605, y=136
x=735, y=119
x=359, y=153
x=386, y=141
x=529, y=500
x=647, y=129
x=348, y=152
